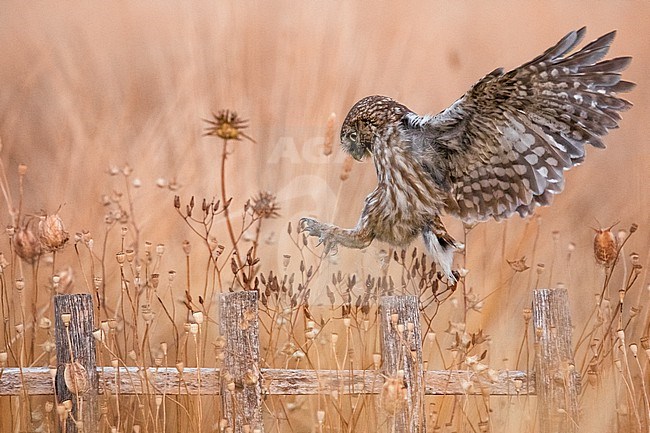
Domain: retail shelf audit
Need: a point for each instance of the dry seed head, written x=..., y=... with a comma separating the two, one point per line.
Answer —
x=76, y=378
x=227, y=125
x=130, y=255
x=518, y=265
x=329, y=135
x=65, y=318
x=27, y=245
x=393, y=395
x=198, y=317
x=45, y=323
x=147, y=314
x=605, y=246
x=250, y=378
x=48, y=346
x=52, y=232
x=265, y=205
x=347, y=168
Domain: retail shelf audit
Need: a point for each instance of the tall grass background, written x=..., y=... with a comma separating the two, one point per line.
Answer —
x=91, y=87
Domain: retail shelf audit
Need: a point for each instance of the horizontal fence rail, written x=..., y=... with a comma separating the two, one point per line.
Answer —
x=169, y=381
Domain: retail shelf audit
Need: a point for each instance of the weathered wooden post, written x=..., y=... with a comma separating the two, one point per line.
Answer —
x=241, y=387
x=76, y=376
x=402, y=395
x=558, y=382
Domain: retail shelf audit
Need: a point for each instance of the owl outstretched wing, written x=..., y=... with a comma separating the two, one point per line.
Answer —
x=503, y=146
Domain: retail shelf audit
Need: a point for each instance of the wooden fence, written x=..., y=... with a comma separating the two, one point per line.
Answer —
x=242, y=384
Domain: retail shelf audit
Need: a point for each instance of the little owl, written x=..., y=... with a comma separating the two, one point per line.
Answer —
x=499, y=149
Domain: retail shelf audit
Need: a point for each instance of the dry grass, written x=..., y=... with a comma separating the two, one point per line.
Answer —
x=103, y=102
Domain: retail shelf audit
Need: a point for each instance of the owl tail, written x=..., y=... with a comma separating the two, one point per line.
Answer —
x=441, y=247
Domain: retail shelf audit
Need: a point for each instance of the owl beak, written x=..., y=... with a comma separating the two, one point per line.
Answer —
x=358, y=156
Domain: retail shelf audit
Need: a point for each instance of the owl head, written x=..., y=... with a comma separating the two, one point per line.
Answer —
x=367, y=120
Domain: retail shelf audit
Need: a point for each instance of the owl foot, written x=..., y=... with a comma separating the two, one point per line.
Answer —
x=321, y=230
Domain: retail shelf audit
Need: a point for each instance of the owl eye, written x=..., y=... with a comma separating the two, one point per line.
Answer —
x=353, y=136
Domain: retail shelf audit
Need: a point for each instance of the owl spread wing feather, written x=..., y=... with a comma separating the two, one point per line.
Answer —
x=503, y=146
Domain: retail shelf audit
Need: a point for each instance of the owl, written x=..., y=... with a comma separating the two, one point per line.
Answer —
x=500, y=149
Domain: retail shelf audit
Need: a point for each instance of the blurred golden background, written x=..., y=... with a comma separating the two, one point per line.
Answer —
x=87, y=86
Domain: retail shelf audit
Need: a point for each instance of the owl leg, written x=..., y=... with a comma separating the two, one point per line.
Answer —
x=331, y=236
x=441, y=246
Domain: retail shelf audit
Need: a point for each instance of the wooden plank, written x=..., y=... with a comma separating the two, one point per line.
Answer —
x=76, y=377
x=557, y=379
x=241, y=387
x=133, y=380
x=402, y=394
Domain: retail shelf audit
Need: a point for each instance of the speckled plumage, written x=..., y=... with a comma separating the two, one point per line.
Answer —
x=500, y=149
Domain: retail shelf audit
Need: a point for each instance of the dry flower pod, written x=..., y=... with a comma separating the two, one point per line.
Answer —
x=76, y=378
x=52, y=232
x=265, y=205
x=228, y=125
x=27, y=245
x=605, y=246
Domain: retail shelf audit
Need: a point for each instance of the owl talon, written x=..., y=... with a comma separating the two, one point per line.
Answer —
x=317, y=229
x=311, y=226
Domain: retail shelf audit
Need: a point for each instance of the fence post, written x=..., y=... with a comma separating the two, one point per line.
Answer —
x=557, y=381
x=241, y=388
x=401, y=342
x=76, y=376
